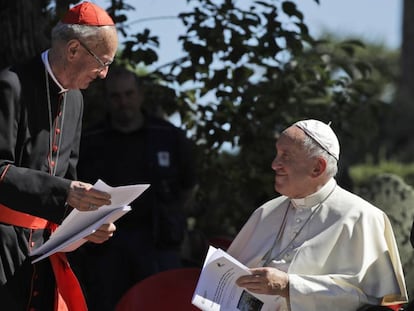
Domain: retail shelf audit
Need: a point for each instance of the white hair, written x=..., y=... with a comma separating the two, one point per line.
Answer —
x=66, y=32
x=315, y=150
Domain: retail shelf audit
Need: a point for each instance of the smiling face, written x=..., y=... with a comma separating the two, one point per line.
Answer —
x=296, y=173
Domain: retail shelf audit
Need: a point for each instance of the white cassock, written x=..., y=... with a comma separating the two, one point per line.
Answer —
x=338, y=249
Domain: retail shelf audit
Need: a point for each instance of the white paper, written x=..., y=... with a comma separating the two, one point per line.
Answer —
x=77, y=225
x=217, y=291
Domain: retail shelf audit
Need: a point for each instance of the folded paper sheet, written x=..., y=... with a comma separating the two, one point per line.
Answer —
x=217, y=291
x=78, y=225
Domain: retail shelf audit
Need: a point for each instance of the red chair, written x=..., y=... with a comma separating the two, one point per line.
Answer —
x=167, y=290
x=396, y=307
x=220, y=242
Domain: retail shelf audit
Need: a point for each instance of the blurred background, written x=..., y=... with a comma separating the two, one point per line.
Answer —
x=233, y=74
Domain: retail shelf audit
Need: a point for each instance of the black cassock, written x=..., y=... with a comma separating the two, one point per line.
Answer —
x=30, y=148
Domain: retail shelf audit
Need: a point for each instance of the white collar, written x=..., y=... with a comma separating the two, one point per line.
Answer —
x=317, y=197
x=45, y=59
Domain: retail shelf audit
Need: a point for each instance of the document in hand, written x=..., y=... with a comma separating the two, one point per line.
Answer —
x=217, y=291
x=73, y=230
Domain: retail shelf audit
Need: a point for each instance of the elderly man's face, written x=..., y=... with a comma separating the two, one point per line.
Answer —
x=81, y=60
x=292, y=165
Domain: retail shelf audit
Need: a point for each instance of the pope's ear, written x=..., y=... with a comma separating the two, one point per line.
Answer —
x=319, y=167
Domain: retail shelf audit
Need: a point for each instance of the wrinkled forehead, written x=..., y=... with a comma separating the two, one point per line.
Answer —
x=293, y=134
x=291, y=138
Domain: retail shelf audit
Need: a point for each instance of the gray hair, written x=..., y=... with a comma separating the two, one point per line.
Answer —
x=66, y=32
x=315, y=150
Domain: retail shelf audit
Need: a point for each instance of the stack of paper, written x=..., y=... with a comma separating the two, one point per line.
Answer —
x=78, y=225
x=217, y=291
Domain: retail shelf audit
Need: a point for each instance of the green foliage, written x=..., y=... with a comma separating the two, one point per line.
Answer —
x=361, y=174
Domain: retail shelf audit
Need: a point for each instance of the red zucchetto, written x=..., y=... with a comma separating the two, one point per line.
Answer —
x=87, y=13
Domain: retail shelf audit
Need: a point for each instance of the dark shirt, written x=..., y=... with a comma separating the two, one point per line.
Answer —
x=158, y=153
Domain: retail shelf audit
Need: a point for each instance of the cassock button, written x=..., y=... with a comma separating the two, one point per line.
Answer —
x=52, y=163
x=60, y=113
x=57, y=131
x=32, y=244
x=55, y=148
x=35, y=293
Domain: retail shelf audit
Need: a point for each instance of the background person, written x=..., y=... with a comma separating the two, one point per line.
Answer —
x=131, y=146
x=318, y=247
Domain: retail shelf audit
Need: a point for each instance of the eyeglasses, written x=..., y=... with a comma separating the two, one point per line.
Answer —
x=102, y=64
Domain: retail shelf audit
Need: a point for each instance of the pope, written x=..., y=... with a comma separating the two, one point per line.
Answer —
x=317, y=246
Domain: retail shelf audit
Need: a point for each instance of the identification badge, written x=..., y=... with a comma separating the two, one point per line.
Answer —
x=163, y=158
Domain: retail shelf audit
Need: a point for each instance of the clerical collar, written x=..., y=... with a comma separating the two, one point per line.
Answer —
x=317, y=197
x=45, y=59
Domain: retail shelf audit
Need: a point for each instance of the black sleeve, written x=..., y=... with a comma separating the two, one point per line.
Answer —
x=23, y=189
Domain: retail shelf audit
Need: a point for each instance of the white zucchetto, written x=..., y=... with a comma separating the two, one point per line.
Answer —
x=321, y=133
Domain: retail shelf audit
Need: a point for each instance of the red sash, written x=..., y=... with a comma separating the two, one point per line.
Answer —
x=69, y=296
x=15, y=218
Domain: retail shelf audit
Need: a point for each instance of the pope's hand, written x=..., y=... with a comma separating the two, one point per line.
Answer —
x=266, y=280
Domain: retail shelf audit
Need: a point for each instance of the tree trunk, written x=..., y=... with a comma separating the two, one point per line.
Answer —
x=22, y=30
x=402, y=125
x=407, y=51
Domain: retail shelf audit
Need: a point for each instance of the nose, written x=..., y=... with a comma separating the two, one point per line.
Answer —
x=122, y=100
x=103, y=72
x=275, y=164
